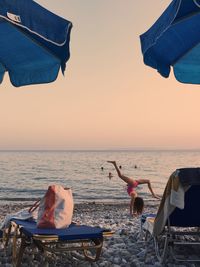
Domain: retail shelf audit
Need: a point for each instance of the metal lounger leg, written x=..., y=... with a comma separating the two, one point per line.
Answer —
x=21, y=252
x=98, y=248
x=161, y=249
x=7, y=235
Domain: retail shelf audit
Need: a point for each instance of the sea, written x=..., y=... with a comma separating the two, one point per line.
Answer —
x=26, y=175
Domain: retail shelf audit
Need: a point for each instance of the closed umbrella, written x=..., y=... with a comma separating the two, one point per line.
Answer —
x=34, y=42
x=174, y=42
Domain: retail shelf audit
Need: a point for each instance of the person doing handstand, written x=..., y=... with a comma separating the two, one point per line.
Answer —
x=137, y=203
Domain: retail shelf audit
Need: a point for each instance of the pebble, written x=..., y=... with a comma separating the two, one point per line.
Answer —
x=124, y=249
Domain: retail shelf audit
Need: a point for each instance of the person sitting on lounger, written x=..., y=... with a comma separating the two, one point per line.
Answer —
x=137, y=203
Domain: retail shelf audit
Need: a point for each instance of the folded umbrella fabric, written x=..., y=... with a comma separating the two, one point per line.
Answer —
x=174, y=41
x=34, y=43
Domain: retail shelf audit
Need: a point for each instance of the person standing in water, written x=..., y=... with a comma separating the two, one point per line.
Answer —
x=136, y=203
x=110, y=175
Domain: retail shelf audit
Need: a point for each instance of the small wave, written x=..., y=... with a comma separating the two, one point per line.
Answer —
x=149, y=170
x=17, y=199
x=39, y=178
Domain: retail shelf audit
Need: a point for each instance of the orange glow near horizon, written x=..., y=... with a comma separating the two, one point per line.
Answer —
x=108, y=98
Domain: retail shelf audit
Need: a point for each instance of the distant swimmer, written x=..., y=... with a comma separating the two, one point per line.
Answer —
x=102, y=168
x=135, y=166
x=110, y=175
x=120, y=166
x=137, y=203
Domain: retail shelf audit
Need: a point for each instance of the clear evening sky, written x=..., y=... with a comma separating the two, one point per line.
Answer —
x=108, y=98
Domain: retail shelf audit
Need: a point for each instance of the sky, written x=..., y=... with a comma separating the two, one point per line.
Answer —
x=108, y=98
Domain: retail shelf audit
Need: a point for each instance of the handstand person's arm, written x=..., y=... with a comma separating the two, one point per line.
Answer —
x=133, y=196
x=146, y=181
x=132, y=205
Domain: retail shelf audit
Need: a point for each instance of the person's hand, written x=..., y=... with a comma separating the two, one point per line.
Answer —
x=134, y=215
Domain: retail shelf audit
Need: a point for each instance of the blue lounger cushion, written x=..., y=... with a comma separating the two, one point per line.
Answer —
x=73, y=232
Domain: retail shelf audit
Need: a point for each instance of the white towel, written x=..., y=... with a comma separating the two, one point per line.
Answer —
x=23, y=214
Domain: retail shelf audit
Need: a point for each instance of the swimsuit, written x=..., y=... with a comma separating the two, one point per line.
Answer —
x=131, y=188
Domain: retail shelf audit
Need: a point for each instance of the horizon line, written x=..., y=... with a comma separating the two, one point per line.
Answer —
x=100, y=150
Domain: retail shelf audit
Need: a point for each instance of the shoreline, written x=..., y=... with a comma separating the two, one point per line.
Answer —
x=14, y=206
x=30, y=201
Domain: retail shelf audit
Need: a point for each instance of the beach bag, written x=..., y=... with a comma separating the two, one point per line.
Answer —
x=56, y=208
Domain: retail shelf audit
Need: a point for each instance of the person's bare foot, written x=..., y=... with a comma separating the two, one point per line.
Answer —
x=111, y=161
x=156, y=196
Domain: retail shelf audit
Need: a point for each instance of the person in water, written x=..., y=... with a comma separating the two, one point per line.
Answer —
x=137, y=203
x=110, y=175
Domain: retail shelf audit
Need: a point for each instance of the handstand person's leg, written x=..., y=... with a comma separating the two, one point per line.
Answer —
x=123, y=177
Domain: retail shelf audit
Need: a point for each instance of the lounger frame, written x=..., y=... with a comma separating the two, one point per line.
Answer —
x=91, y=248
x=173, y=237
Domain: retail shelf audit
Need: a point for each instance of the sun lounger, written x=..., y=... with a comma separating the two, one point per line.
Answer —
x=83, y=238
x=176, y=224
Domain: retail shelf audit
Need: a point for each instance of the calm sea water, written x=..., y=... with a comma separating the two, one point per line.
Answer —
x=26, y=175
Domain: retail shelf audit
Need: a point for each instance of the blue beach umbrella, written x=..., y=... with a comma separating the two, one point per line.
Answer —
x=34, y=42
x=174, y=41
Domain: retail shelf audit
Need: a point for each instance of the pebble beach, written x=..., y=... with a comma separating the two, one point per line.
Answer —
x=125, y=248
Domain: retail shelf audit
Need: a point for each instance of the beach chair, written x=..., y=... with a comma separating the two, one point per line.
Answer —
x=83, y=238
x=174, y=230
